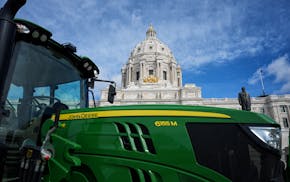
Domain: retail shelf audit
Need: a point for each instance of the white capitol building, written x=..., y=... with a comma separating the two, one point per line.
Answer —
x=152, y=76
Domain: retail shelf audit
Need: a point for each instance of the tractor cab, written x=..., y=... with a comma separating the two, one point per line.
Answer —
x=44, y=74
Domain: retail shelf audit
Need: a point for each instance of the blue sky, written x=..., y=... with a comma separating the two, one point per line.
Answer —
x=220, y=45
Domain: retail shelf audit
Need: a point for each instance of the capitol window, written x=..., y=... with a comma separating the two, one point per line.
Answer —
x=262, y=110
x=137, y=75
x=150, y=72
x=285, y=122
x=283, y=108
x=164, y=75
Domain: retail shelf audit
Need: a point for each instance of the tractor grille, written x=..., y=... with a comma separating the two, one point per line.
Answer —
x=141, y=175
x=135, y=137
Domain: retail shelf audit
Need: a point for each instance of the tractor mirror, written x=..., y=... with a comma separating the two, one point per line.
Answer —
x=111, y=93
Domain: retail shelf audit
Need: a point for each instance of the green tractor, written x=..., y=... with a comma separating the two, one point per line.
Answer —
x=48, y=133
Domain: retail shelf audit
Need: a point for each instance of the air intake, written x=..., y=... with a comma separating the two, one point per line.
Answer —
x=135, y=137
x=141, y=175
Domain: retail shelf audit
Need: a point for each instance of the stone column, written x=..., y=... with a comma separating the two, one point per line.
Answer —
x=129, y=71
x=131, y=74
x=123, y=77
x=175, y=75
x=171, y=71
x=178, y=70
x=157, y=69
x=127, y=75
x=143, y=71
x=140, y=71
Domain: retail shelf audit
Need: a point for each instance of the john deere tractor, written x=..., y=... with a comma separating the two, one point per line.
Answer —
x=48, y=132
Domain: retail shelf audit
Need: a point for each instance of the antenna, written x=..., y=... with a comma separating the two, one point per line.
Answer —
x=261, y=78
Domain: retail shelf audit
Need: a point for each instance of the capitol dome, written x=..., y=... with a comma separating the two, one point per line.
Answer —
x=151, y=45
x=151, y=64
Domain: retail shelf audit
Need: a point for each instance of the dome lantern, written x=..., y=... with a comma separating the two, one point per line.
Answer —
x=151, y=33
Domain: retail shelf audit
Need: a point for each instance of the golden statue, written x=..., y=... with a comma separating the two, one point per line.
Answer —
x=150, y=79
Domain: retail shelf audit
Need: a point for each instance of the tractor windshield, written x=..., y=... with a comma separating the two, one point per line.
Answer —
x=42, y=77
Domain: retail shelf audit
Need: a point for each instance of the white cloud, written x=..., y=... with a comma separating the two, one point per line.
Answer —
x=255, y=77
x=285, y=88
x=279, y=69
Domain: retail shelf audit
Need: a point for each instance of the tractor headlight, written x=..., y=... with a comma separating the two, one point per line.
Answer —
x=22, y=28
x=35, y=34
x=269, y=135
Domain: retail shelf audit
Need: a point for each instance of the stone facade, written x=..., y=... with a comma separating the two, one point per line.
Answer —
x=152, y=76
